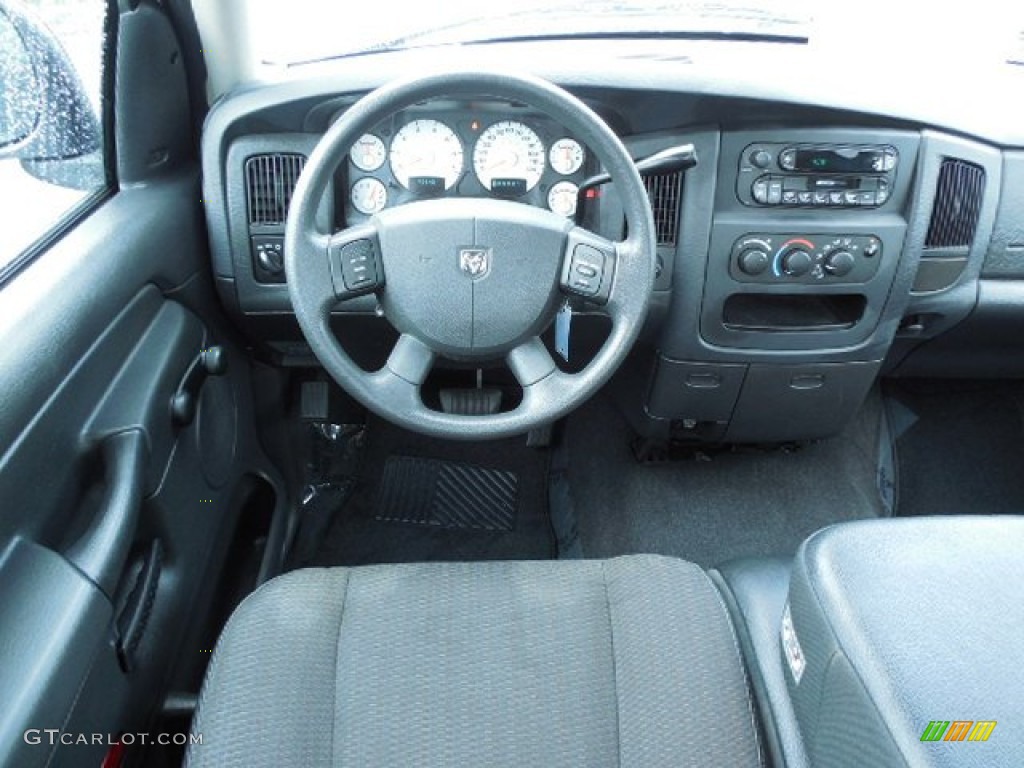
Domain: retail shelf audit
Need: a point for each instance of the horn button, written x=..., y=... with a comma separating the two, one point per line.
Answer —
x=472, y=279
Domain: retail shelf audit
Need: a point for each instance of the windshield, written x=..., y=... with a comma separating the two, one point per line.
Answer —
x=285, y=38
x=287, y=33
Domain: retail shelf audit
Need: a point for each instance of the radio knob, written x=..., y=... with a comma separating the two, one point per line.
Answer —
x=753, y=261
x=760, y=158
x=797, y=262
x=840, y=263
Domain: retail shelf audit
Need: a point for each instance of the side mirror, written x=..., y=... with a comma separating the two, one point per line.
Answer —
x=46, y=120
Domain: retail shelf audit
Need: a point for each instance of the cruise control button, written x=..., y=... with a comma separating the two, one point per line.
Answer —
x=358, y=266
x=586, y=270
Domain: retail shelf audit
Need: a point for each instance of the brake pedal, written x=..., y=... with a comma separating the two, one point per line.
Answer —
x=483, y=401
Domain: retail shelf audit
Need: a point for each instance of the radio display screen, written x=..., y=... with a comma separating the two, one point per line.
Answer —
x=831, y=161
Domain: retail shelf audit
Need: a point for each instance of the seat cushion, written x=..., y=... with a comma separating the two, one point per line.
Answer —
x=624, y=662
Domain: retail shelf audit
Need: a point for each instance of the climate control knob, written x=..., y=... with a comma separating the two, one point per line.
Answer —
x=839, y=263
x=797, y=262
x=753, y=261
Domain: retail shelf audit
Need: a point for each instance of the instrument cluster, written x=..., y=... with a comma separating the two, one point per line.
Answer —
x=465, y=152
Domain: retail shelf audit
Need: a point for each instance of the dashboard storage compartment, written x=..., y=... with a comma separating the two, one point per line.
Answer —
x=792, y=312
x=900, y=643
x=799, y=402
x=700, y=392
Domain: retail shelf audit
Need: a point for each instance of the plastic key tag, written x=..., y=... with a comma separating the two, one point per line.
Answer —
x=563, y=323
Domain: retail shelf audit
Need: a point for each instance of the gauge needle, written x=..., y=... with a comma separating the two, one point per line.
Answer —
x=510, y=159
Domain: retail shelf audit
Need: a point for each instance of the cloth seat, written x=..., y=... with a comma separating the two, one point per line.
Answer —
x=625, y=662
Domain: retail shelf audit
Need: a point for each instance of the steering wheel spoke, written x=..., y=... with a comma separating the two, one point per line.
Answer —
x=589, y=265
x=531, y=362
x=410, y=360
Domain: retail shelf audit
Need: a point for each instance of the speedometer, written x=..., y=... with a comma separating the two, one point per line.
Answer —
x=509, y=156
x=425, y=151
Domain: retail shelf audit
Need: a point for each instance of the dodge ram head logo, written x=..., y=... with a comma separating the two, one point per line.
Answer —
x=475, y=262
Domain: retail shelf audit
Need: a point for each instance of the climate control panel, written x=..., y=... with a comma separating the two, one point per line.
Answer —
x=805, y=259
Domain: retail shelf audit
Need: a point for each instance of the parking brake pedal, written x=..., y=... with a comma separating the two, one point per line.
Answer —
x=471, y=402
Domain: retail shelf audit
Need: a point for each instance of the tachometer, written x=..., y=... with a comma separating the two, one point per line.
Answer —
x=369, y=153
x=566, y=156
x=426, y=149
x=509, y=156
x=369, y=196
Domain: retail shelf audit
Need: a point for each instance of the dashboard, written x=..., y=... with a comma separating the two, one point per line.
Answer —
x=813, y=248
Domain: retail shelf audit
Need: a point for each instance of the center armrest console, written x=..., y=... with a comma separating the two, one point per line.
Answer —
x=903, y=642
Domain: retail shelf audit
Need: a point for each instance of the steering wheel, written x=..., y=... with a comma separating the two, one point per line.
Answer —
x=465, y=278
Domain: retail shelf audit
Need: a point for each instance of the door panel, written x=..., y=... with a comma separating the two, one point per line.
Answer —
x=98, y=336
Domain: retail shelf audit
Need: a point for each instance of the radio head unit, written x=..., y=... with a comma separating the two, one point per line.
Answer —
x=817, y=175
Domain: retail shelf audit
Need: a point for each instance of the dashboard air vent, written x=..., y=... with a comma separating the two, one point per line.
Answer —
x=665, y=192
x=957, y=205
x=270, y=181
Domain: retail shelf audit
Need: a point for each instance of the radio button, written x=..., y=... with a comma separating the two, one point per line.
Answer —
x=821, y=198
x=835, y=198
x=759, y=191
x=789, y=197
x=774, y=191
x=787, y=159
x=804, y=198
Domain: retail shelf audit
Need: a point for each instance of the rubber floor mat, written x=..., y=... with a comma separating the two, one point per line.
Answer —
x=420, y=499
x=450, y=495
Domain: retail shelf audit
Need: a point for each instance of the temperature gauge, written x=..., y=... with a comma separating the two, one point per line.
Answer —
x=562, y=198
x=369, y=196
x=566, y=156
x=369, y=153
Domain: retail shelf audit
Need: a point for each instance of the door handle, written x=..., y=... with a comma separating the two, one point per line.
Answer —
x=101, y=552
